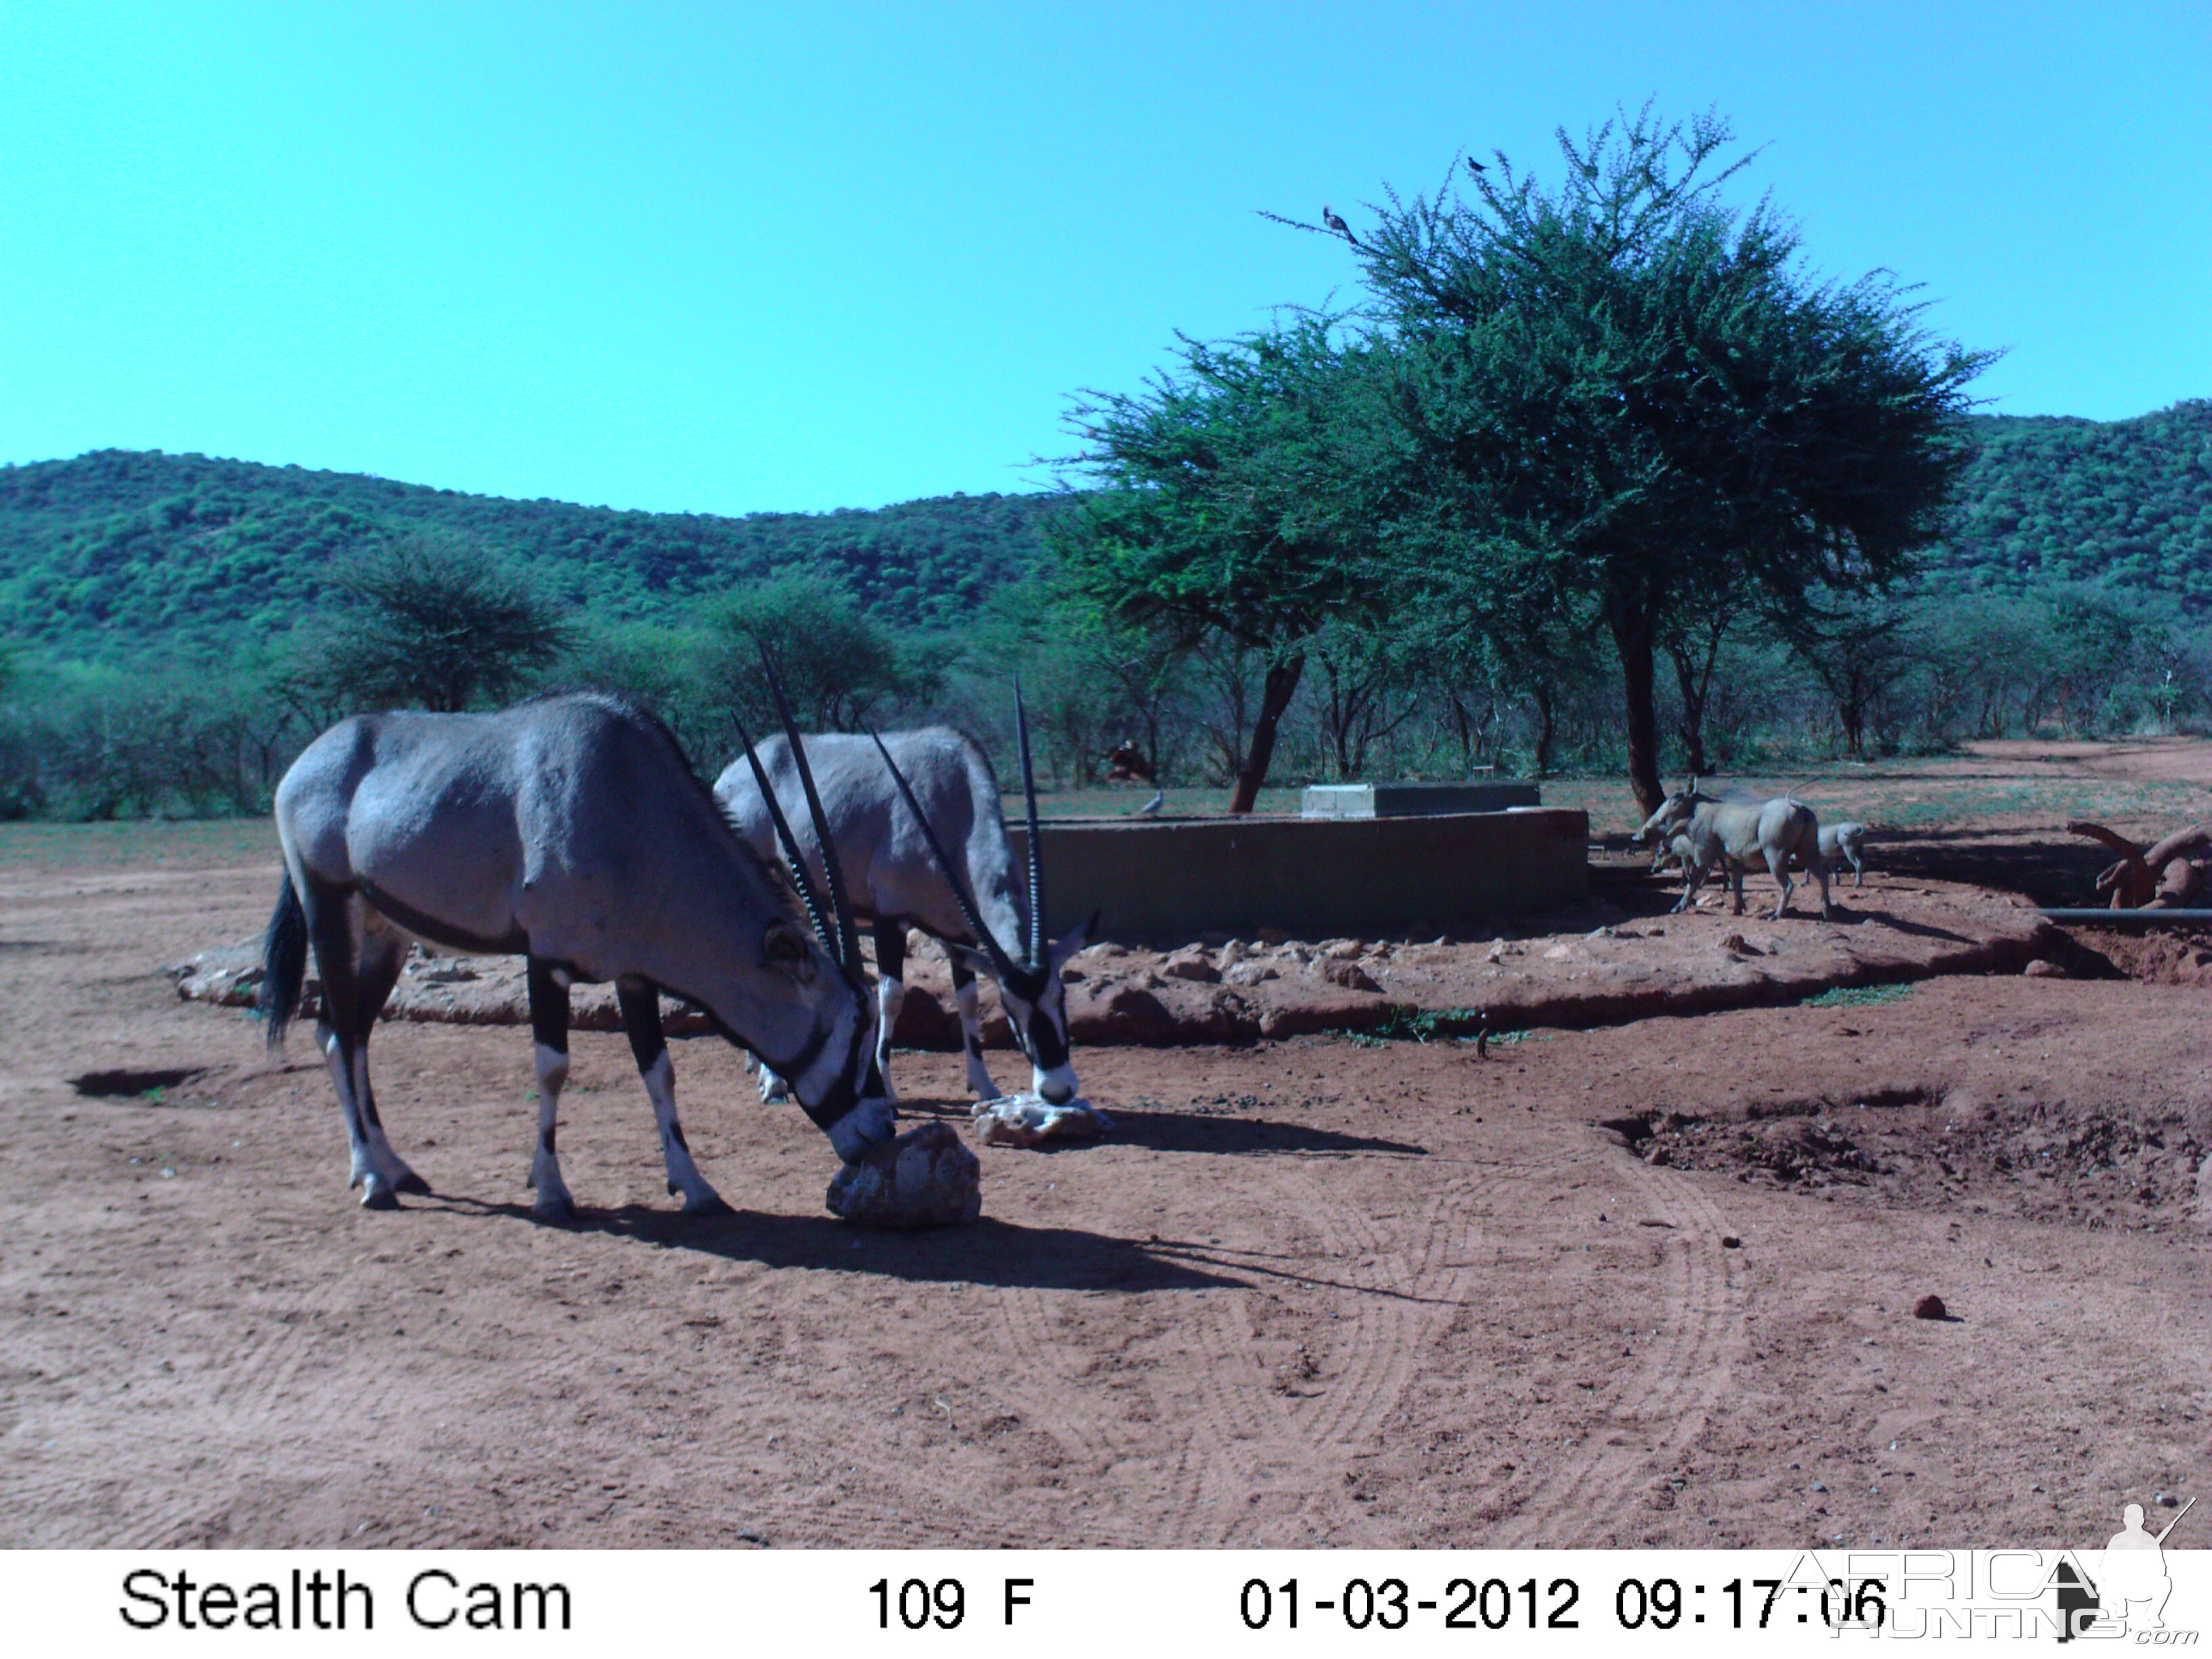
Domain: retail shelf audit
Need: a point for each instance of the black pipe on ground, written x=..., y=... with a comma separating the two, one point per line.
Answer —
x=2126, y=918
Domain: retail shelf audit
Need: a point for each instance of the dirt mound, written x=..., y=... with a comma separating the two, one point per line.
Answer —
x=2095, y=1166
x=2180, y=956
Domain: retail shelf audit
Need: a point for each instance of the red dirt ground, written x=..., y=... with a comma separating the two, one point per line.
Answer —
x=1649, y=1281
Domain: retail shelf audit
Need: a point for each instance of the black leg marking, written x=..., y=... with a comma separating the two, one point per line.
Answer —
x=891, y=949
x=545, y=1136
x=549, y=1006
x=639, y=1002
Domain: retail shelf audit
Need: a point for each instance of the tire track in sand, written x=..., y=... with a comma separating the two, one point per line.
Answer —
x=1661, y=1406
x=1257, y=1459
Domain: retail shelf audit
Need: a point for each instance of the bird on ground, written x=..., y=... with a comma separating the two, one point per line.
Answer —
x=1159, y=800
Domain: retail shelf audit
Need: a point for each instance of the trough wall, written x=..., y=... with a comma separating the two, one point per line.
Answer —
x=1175, y=878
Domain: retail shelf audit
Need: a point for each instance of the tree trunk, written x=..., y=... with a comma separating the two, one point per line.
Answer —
x=1275, y=696
x=1547, y=726
x=1695, y=681
x=1631, y=637
x=1851, y=712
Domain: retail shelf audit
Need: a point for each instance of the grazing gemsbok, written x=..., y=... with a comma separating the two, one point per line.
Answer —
x=569, y=829
x=1708, y=833
x=915, y=819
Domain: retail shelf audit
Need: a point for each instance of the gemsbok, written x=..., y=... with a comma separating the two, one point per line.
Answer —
x=571, y=830
x=915, y=820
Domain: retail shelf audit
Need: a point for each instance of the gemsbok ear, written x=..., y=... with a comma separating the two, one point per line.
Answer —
x=1071, y=944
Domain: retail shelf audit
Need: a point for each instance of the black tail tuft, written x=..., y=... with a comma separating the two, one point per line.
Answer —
x=284, y=963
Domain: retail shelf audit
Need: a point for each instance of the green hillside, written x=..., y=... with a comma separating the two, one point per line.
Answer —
x=2049, y=499
x=116, y=553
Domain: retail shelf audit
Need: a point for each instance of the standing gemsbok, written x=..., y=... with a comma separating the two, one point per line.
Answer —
x=569, y=829
x=915, y=820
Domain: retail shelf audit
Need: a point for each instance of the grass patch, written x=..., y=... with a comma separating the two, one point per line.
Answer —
x=1858, y=996
x=1405, y=1025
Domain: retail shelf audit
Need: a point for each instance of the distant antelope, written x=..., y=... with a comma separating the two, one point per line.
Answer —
x=570, y=830
x=914, y=817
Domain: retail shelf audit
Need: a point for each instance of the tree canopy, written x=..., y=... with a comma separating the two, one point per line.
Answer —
x=1230, y=496
x=1625, y=388
x=428, y=623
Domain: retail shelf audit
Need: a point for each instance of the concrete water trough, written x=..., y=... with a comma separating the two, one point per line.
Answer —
x=1165, y=879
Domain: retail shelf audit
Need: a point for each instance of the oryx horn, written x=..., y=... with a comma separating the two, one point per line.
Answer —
x=991, y=947
x=1034, y=946
x=792, y=855
x=848, y=945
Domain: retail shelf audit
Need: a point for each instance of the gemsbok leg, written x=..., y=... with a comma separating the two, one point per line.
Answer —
x=549, y=1025
x=964, y=997
x=358, y=955
x=890, y=993
x=640, y=1001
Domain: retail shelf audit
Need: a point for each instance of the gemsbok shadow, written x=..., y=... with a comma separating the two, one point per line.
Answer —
x=1159, y=1131
x=987, y=1252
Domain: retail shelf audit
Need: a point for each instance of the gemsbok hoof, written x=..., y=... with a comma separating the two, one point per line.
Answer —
x=713, y=1204
x=377, y=1196
x=554, y=1212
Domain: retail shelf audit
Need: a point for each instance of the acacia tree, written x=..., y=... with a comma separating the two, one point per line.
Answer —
x=1861, y=650
x=1625, y=389
x=838, y=666
x=427, y=622
x=1224, y=500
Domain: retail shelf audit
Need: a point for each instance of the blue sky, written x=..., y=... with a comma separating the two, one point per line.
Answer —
x=731, y=257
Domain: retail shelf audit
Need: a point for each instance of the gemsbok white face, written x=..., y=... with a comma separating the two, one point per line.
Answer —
x=571, y=830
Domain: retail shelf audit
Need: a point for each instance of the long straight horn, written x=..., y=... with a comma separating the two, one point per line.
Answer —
x=990, y=946
x=848, y=947
x=792, y=855
x=1033, y=947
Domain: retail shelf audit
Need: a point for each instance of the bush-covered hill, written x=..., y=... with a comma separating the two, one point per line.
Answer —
x=2049, y=499
x=117, y=555
x=118, y=552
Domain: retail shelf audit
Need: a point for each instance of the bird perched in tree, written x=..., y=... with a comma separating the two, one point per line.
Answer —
x=1475, y=167
x=1328, y=217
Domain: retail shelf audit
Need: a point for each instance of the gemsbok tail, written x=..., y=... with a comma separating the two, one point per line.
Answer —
x=284, y=963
